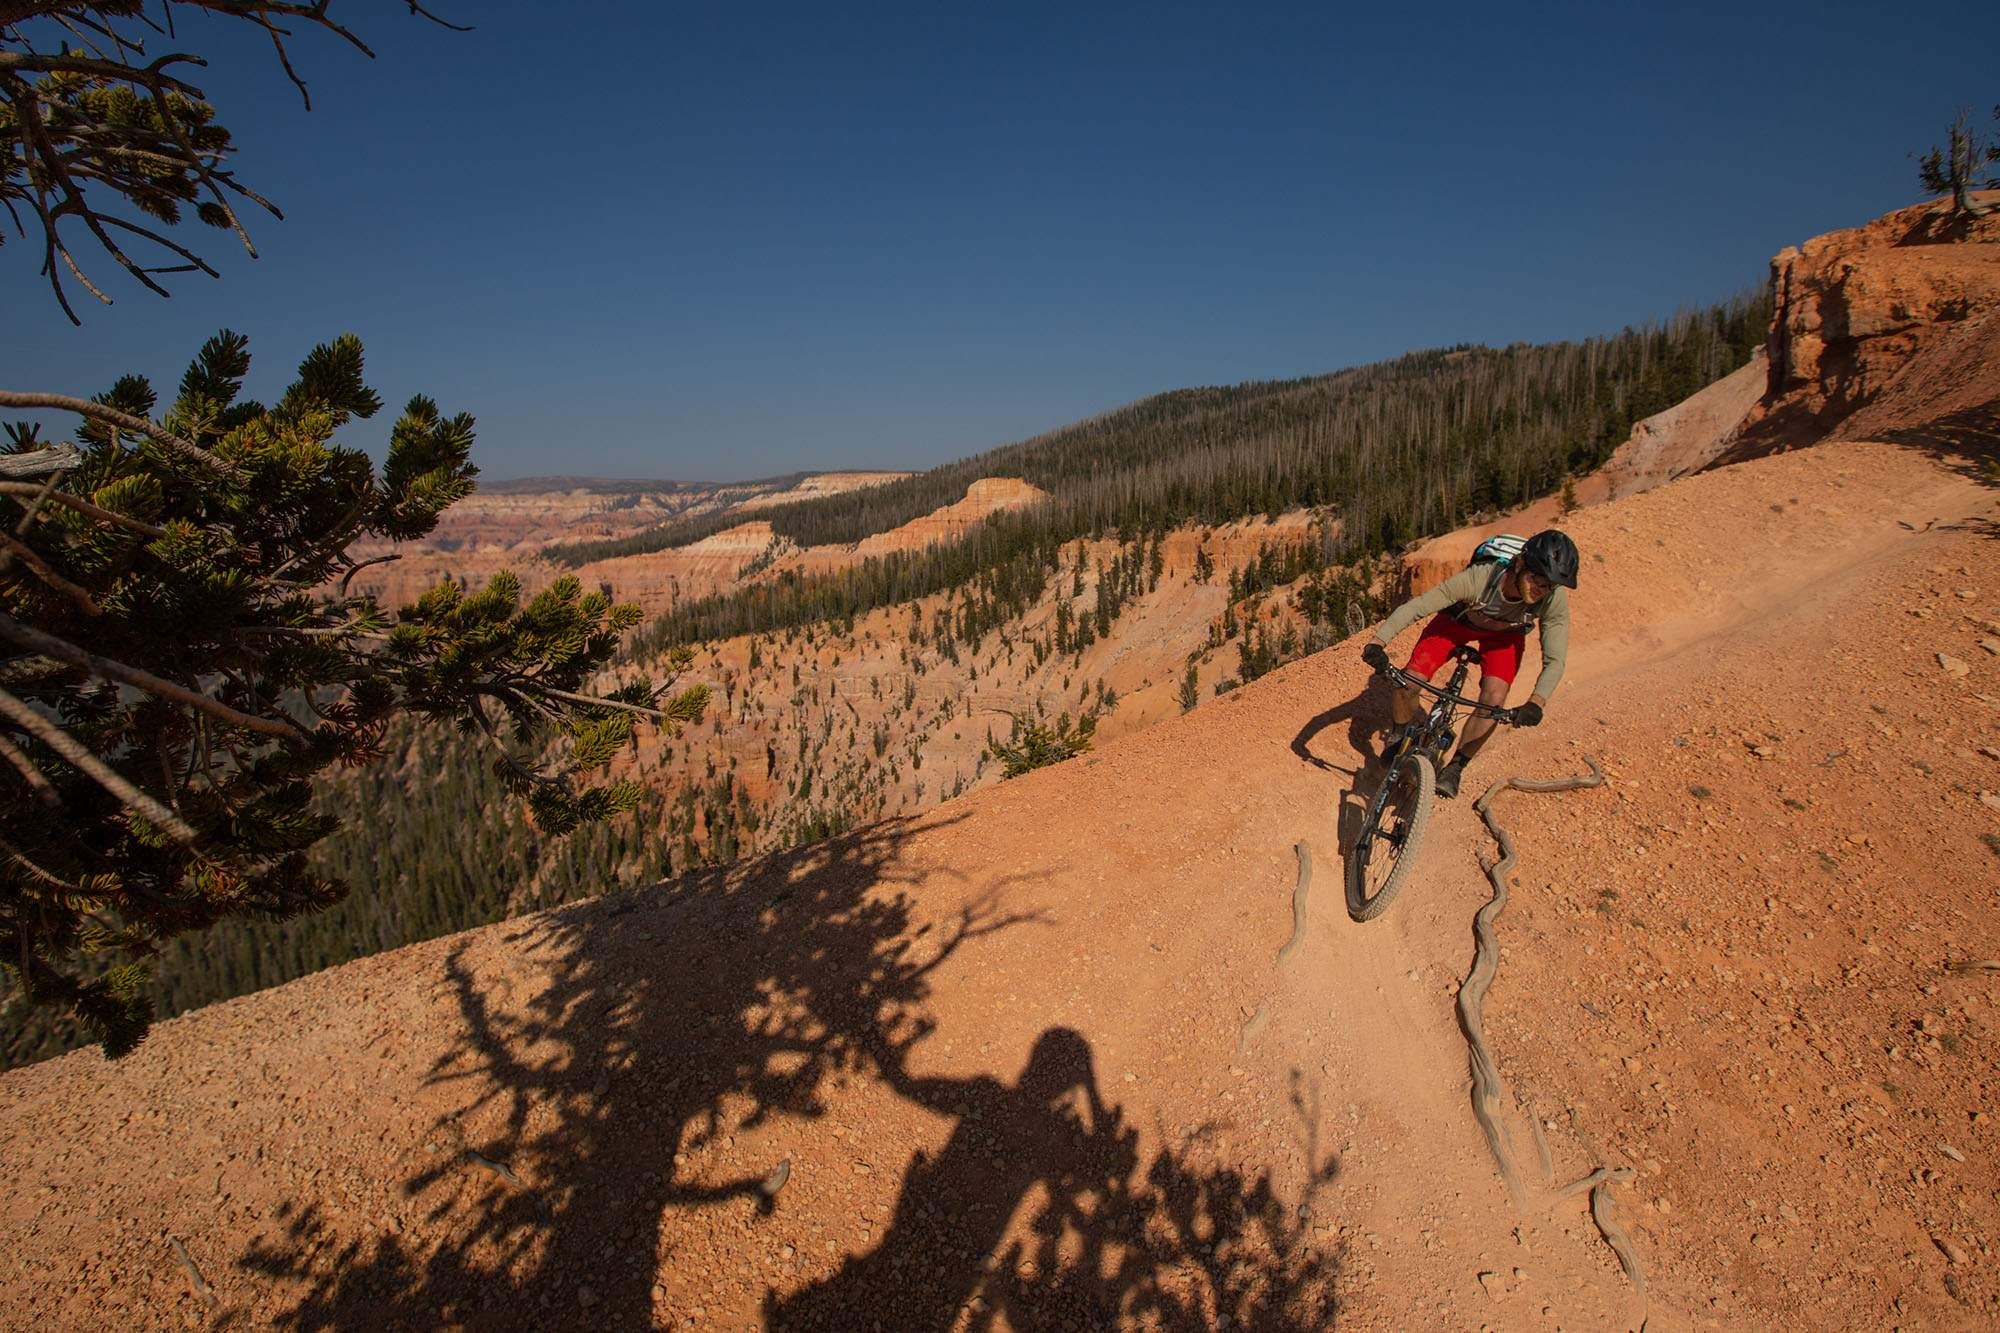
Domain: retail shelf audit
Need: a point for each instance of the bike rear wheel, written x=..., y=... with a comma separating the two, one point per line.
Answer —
x=1386, y=847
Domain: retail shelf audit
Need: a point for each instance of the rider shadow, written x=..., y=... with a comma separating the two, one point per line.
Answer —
x=596, y=1044
x=1110, y=1239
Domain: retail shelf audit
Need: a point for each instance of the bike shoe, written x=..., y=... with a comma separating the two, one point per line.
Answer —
x=1448, y=779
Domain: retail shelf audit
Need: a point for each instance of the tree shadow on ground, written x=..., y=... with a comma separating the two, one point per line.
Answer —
x=1966, y=442
x=1942, y=225
x=657, y=1023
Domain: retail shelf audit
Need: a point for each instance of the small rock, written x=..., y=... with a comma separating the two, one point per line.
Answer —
x=1951, y=1152
x=1490, y=1282
x=659, y=1292
x=1991, y=646
x=585, y=1296
x=1953, y=666
x=1989, y=800
x=1952, y=1254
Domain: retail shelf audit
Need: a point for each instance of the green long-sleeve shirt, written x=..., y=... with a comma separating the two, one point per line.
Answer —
x=1494, y=612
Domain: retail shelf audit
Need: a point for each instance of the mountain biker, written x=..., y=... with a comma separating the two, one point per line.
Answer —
x=1492, y=607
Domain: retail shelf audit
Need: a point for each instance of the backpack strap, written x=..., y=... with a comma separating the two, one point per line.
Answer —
x=1493, y=578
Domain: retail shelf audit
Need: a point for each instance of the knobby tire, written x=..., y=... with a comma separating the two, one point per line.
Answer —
x=1359, y=905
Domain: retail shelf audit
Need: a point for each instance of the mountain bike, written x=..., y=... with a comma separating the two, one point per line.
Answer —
x=1386, y=846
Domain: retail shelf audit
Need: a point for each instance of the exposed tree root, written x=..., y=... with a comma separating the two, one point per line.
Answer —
x=1489, y=1093
x=1255, y=1023
x=1305, y=853
x=201, y=1287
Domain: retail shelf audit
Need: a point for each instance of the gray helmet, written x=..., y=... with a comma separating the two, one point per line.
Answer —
x=1552, y=555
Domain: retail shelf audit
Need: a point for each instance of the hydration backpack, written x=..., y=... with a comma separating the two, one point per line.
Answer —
x=1499, y=549
x=1497, y=552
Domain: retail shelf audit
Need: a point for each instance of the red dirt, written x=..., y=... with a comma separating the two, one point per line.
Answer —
x=1030, y=1060
x=869, y=1010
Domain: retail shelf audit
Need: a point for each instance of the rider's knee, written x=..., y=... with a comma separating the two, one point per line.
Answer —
x=1493, y=690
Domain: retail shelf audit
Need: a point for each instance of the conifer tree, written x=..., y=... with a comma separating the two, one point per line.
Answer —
x=1034, y=744
x=91, y=118
x=1953, y=169
x=180, y=655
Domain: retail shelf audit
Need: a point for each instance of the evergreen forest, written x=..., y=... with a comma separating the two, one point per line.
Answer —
x=1395, y=451
x=1389, y=453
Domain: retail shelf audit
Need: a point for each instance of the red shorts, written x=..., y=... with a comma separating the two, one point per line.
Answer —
x=1499, y=650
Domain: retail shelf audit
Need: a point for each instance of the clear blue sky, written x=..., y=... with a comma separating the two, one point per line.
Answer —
x=716, y=241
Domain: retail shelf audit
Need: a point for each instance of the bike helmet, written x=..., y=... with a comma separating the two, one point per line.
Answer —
x=1552, y=555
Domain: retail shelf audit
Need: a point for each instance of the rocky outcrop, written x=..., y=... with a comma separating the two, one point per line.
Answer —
x=984, y=498
x=1854, y=307
x=1685, y=438
x=1886, y=331
x=819, y=486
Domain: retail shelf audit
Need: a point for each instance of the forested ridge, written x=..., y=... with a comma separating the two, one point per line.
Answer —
x=1390, y=453
x=1394, y=451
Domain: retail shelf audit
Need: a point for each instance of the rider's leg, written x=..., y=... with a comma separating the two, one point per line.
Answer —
x=1440, y=636
x=1492, y=693
x=1402, y=706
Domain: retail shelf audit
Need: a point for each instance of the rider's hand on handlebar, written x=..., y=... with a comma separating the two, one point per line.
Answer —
x=1528, y=714
x=1376, y=656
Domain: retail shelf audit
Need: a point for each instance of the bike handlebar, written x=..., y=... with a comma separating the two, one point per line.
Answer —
x=1505, y=715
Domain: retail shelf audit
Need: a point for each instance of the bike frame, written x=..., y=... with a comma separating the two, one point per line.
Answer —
x=1437, y=734
x=1402, y=777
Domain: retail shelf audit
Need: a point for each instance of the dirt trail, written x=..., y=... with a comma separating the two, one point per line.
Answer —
x=1030, y=1060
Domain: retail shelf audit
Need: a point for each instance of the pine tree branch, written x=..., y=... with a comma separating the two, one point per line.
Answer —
x=28, y=62
x=348, y=577
x=89, y=764
x=34, y=506
x=15, y=547
x=44, y=790
x=19, y=858
x=31, y=638
x=124, y=421
x=658, y=715
x=84, y=507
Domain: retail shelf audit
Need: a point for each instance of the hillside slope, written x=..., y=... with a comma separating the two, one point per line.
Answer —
x=1029, y=1060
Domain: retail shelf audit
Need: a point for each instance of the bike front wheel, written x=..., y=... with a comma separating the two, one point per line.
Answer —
x=1386, y=847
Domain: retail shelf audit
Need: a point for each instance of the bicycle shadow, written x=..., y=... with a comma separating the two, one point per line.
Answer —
x=1366, y=716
